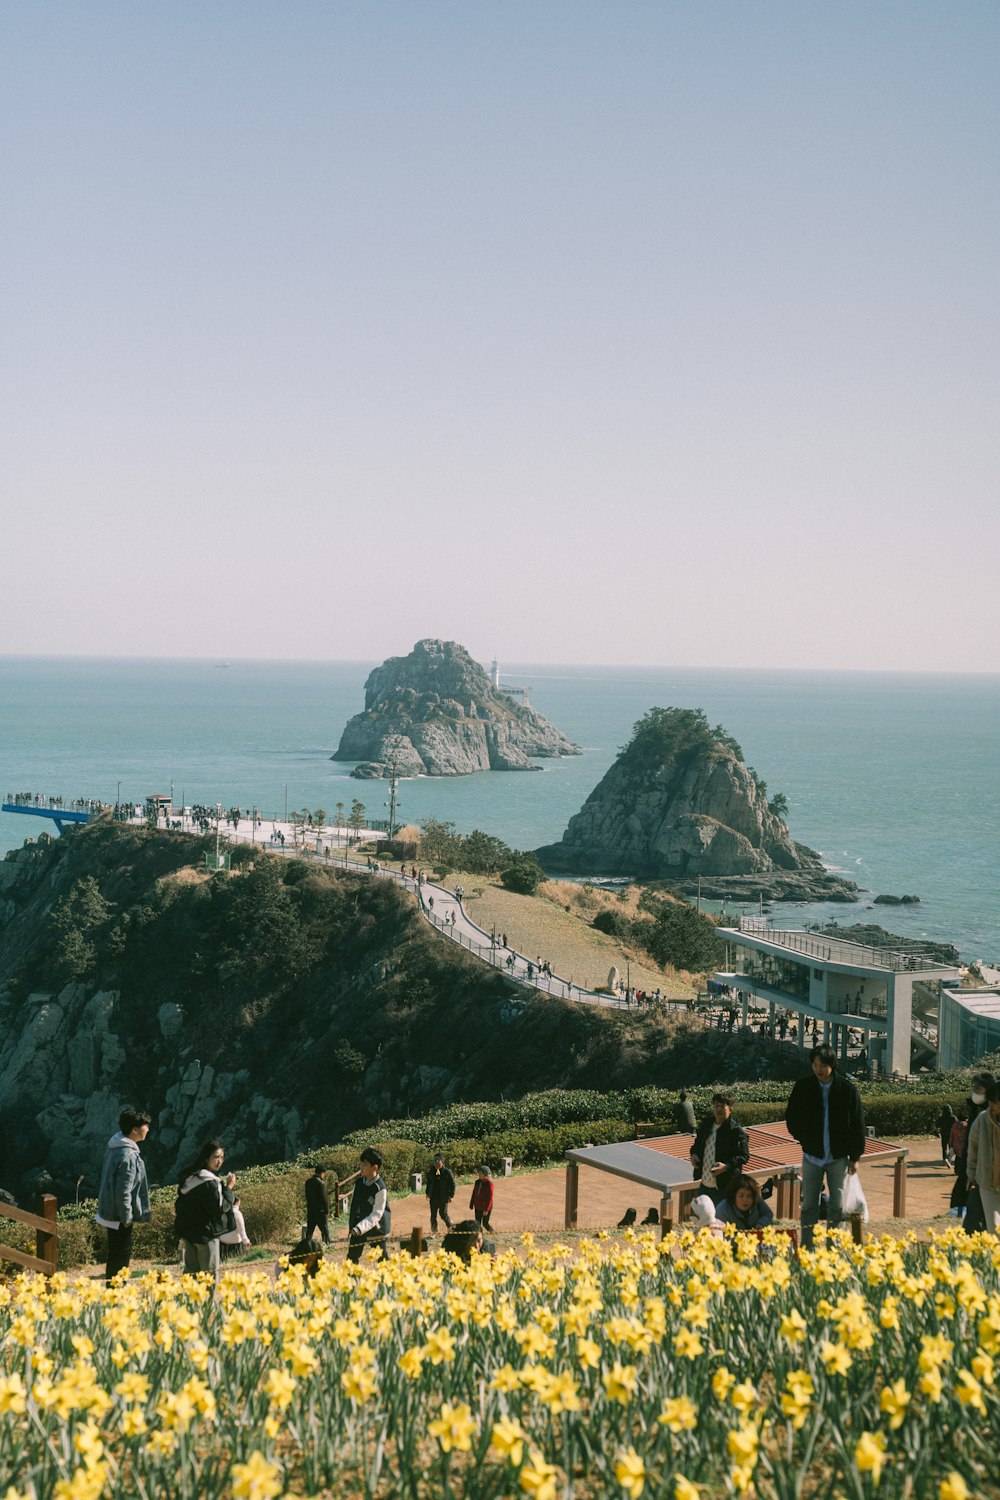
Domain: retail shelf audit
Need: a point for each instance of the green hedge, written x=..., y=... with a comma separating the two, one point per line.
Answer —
x=564, y=1106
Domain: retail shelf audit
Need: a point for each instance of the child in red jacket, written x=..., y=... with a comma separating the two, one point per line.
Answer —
x=481, y=1201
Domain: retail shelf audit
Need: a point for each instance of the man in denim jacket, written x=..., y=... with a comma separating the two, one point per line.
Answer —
x=123, y=1196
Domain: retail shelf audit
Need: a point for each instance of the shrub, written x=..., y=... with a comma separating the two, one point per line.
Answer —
x=524, y=875
x=274, y=1211
x=157, y=1240
x=615, y=923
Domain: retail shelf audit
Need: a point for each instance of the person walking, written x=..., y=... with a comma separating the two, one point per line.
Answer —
x=481, y=1201
x=317, y=1204
x=971, y=1197
x=204, y=1209
x=946, y=1120
x=123, y=1194
x=370, y=1217
x=825, y=1115
x=440, y=1190
x=984, y=1158
x=721, y=1148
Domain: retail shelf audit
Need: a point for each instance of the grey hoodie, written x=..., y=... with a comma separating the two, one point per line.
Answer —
x=123, y=1196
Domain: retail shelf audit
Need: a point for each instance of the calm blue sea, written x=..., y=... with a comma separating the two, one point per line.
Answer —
x=893, y=778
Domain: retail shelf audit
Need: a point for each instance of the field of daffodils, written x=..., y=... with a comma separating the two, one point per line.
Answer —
x=614, y=1367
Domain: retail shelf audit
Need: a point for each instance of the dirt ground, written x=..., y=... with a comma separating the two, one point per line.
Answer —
x=536, y=1200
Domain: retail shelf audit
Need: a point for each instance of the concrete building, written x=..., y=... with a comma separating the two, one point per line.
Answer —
x=891, y=997
x=969, y=1026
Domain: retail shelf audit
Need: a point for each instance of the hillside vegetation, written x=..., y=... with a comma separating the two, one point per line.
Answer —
x=279, y=1005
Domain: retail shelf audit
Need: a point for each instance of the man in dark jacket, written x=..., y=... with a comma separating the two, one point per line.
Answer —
x=440, y=1190
x=825, y=1115
x=370, y=1217
x=721, y=1148
x=317, y=1204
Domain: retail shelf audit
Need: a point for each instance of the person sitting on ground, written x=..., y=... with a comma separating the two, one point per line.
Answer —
x=305, y=1254
x=465, y=1240
x=744, y=1206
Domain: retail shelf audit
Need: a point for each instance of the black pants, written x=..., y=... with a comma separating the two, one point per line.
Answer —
x=483, y=1220
x=357, y=1245
x=960, y=1191
x=119, y=1250
x=318, y=1221
x=442, y=1209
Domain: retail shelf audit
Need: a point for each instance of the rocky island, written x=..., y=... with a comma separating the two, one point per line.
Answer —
x=436, y=713
x=679, y=804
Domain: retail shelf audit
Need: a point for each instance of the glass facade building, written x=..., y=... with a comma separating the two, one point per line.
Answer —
x=969, y=1026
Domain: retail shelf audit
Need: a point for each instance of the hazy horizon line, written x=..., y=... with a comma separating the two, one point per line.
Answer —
x=219, y=662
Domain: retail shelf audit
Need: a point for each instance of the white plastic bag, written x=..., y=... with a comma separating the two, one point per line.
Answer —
x=855, y=1201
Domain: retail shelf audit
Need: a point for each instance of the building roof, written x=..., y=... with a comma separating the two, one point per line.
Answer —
x=840, y=951
x=983, y=1002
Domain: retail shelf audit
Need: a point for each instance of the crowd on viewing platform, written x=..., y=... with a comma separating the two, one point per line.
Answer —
x=42, y=800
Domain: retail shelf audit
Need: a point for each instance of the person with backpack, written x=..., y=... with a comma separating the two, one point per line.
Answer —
x=204, y=1209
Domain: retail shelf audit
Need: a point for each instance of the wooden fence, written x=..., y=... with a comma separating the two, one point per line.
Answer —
x=46, y=1237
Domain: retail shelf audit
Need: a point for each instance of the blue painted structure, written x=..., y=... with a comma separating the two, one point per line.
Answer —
x=59, y=815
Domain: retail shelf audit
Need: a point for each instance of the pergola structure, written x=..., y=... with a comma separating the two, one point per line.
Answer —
x=664, y=1164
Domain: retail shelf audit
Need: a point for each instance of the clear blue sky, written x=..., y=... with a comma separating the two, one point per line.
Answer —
x=646, y=332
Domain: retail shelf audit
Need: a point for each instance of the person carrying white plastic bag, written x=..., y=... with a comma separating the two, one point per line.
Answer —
x=855, y=1201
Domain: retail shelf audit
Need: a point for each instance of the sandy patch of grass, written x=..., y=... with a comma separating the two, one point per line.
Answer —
x=540, y=926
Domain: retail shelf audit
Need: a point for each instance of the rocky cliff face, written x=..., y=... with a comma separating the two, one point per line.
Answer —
x=679, y=804
x=436, y=713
